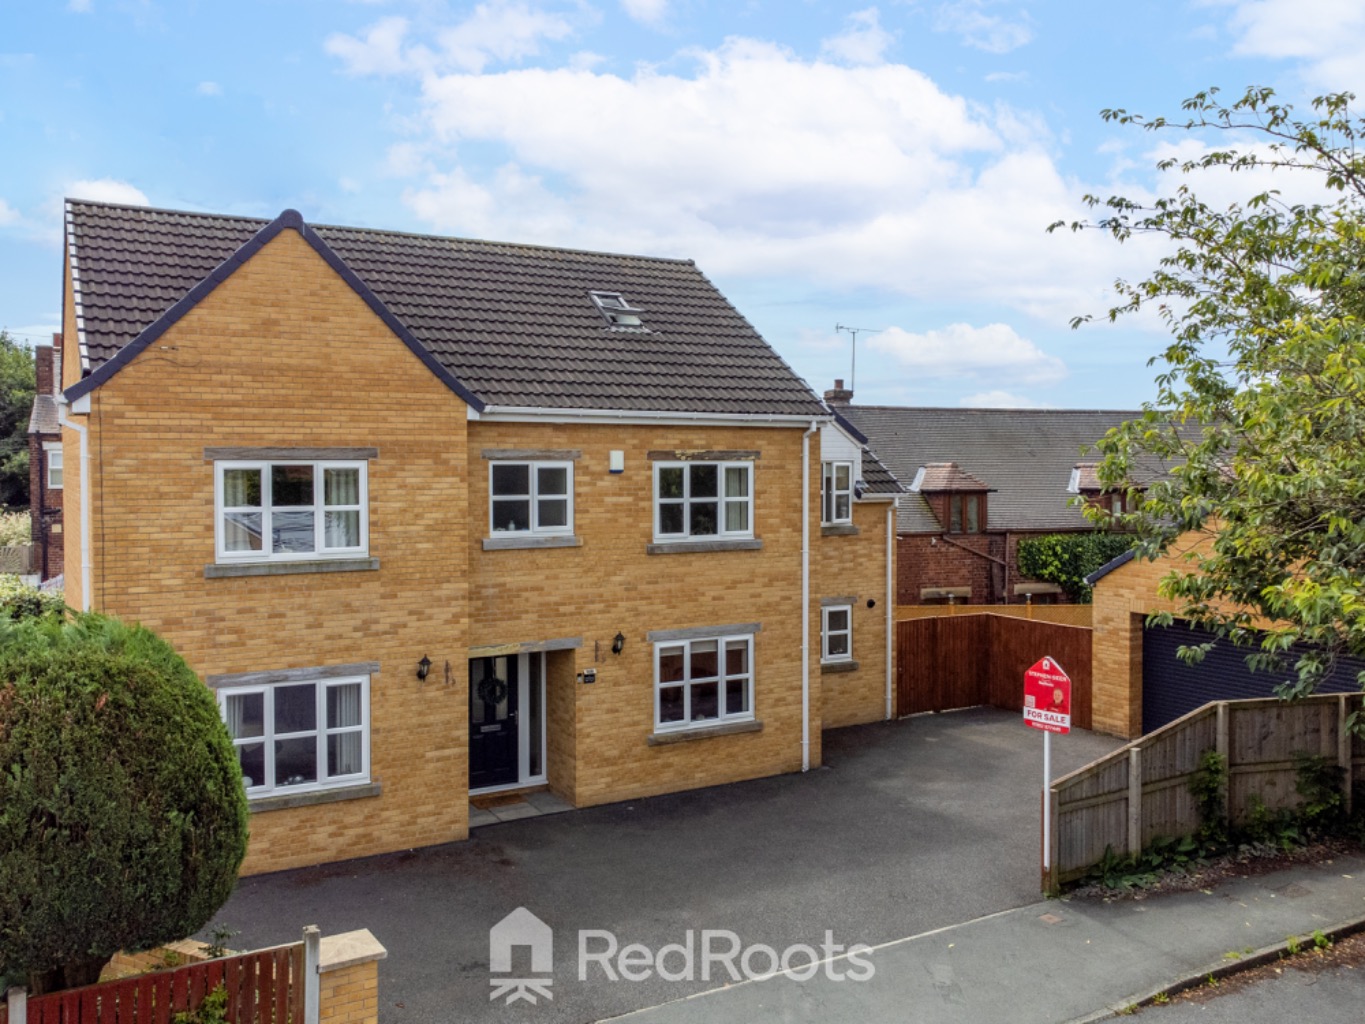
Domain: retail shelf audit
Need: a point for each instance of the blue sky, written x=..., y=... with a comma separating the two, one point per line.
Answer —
x=889, y=167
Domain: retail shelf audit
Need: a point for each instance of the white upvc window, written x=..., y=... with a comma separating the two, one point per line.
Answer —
x=836, y=493
x=699, y=500
x=530, y=497
x=290, y=511
x=53, y=451
x=296, y=737
x=836, y=633
x=701, y=681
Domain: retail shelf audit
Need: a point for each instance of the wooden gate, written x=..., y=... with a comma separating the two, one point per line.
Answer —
x=964, y=661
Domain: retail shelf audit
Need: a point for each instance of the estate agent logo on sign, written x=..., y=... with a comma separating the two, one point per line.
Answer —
x=521, y=928
x=1047, y=697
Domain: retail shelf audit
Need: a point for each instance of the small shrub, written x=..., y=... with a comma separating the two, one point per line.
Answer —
x=1209, y=788
x=1319, y=782
x=15, y=528
x=18, y=600
x=213, y=1010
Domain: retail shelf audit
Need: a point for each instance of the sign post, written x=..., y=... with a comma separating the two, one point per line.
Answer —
x=1047, y=707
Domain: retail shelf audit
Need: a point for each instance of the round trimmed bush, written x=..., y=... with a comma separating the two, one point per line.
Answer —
x=123, y=820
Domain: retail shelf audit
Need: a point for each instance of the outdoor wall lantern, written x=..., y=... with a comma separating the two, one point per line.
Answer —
x=618, y=643
x=423, y=667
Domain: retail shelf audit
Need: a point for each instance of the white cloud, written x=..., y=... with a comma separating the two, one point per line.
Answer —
x=8, y=215
x=1328, y=36
x=107, y=190
x=502, y=30
x=79, y=6
x=209, y=89
x=984, y=31
x=647, y=12
x=998, y=399
x=990, y=353
x=863, y=40
x=378, y=53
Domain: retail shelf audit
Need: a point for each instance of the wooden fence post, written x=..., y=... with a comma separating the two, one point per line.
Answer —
x=16, y=999
x=1135, y=801
x=1221, y=745
x=1344, y=744
x=312, y=977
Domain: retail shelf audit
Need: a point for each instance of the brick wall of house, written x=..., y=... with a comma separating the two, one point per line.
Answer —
x=610, y=584
x=855, y=567
x=930, y=560
x=310, y=365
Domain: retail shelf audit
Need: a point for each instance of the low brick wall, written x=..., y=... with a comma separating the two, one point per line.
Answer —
x=186, y=951
x=348, y=992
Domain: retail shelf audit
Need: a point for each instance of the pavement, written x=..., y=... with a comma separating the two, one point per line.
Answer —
x=912, y=825
x=1063, y=961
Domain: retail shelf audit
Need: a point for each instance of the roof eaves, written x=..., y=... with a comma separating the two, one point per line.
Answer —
x=287, y=219
x=848, y=427
x=75, y=284
x=1110, y=566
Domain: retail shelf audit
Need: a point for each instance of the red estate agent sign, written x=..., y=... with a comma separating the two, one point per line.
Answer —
x=1047, y=697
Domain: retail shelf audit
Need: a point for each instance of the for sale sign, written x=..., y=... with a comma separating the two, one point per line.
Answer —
x=1047, y=697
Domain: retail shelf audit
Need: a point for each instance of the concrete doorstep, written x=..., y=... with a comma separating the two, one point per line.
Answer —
x=1056, y=960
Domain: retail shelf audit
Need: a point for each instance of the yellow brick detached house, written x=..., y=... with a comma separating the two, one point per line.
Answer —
x=437, y=517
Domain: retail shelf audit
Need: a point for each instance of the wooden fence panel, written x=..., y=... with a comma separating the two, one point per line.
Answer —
x=1262, y=740
x=963, y=661
x=1062, y=614
x=263, y=987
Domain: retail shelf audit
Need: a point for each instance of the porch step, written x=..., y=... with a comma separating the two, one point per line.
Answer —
x=512, y=806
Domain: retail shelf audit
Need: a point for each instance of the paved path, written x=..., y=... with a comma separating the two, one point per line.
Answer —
x=1052, y=961
x=913, y=825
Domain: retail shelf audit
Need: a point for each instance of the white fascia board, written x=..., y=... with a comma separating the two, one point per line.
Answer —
x=531, y=414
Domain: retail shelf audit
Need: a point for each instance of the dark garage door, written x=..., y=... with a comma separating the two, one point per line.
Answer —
x=1171, y=688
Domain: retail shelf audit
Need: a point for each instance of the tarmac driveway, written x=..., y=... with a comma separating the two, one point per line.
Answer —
x=909, y=826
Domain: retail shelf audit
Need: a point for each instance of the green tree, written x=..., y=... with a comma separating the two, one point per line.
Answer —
x=1259, y=412
x=1066, y=559
x=123, y=819
x=17, y=387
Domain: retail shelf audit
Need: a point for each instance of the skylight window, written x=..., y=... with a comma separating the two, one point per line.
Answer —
x=616, y=309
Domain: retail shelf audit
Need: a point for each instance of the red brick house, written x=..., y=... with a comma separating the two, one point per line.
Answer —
x=45, y=471
x=982, y=480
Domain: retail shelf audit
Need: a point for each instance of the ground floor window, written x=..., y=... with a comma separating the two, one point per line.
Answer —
x=703, y=680
x=300, y=736
x=836, y=633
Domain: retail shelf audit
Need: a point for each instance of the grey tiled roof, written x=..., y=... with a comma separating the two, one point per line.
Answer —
x=1025, y=455
x=514, y=323
x=43, y=418
x=877, y=477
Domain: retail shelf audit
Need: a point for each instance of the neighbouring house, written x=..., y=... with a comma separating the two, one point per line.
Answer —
x=45, y=463
x=1140, y=682
x=979, y=481
x=436, y=516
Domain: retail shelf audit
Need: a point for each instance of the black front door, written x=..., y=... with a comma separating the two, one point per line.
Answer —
x=493, y=745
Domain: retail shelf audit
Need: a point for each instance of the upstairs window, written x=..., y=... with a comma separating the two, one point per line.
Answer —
x=701, y=500
x=283, y=511
x=964, y=513
x=53, y=451
x=531, y=497
x=618, y=312
x=836, y=493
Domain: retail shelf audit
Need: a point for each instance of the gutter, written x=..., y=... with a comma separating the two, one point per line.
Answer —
x=82, y=432
x=533, y=414
x=805, y=595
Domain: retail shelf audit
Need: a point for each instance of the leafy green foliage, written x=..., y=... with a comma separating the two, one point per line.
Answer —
x=1066, y=559
x=1209, y=787
x=15, y=528
x=213, y=1010
x=18, y=600
x=17, y=387
x=1260, y=402
x=122, y=815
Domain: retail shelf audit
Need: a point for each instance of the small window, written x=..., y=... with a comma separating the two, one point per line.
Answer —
x=531, y=497
x=618, y=312
x=703, y=680
x=295, y=737
x=964, y=513
x=282, y=511
x=697, y=500
x=836, y=493
x=53, y=451
x=836, y=631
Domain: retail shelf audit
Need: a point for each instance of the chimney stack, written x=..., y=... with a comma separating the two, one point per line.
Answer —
x=838, y=395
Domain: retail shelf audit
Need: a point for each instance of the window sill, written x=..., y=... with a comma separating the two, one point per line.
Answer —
x=689, y=547
x=703, y=732
x=839, y=530
x=285, y=801
x=828, y=668
x=223, y=569
x=530, y=541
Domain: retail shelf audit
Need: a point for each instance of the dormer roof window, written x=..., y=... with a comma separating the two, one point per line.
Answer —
x=618, y=312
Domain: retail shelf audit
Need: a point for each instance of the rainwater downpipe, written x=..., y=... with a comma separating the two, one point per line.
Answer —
x=805, y=595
